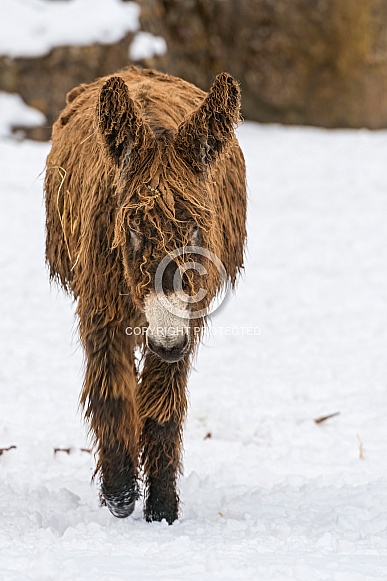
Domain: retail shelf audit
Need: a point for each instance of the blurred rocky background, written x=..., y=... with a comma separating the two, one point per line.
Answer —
x=313, y=62
x=44, y=81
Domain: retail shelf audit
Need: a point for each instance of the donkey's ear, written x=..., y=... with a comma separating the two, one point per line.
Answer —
x=119, y=120
x=203, y=136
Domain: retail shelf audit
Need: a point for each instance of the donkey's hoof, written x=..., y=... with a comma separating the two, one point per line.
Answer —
x=120, y=504
x=120, y=508
x=157, y=511
x=158, y=515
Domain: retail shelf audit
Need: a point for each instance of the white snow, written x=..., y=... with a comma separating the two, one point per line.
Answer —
x=15, y=113
x=146, y=45
x=34, y=27
x=271, y=495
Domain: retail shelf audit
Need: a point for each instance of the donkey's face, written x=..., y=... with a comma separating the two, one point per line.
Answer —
x=156, y=277
x=164, y=222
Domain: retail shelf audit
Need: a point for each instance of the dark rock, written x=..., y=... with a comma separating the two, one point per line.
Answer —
x=44, y=81
x=315, y=62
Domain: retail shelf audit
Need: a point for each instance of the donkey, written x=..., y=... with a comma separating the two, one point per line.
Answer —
x=144, y=170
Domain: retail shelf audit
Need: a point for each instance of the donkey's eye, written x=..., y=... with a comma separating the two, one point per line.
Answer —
x=196, y=234
x=135, y=238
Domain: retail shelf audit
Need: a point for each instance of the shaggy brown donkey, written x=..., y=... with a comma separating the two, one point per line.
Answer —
x=142, y=164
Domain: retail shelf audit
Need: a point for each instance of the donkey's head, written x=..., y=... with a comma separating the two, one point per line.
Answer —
x=166, y=222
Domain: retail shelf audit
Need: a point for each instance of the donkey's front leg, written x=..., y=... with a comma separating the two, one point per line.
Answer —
x=162, y=406
x=109, y=397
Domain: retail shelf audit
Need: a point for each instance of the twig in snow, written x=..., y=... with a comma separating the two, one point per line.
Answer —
x=324, y=418
x=70, y=450
x=2, y=450
x=361, y=449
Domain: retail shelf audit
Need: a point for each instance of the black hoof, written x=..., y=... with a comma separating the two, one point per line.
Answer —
x=120, y=507
x=158, y=507
x=119, y=490
x=120, y=504
x=158, y=515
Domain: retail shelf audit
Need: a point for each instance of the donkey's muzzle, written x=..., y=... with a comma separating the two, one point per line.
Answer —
x=169, y=353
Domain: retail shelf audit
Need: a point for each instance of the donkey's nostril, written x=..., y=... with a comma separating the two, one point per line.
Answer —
x=172, y=353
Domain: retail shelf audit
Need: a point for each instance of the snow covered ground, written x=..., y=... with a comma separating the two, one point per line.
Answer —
x=272, y=494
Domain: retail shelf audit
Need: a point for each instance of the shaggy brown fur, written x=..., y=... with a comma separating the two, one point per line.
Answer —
x=141, y=163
